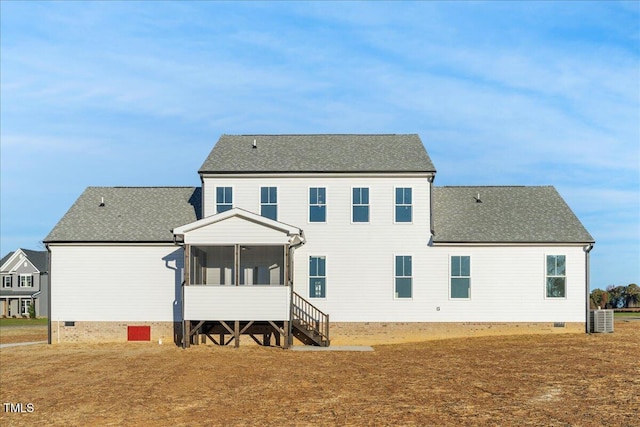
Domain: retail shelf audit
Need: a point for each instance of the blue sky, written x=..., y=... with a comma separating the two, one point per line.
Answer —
x=501, y=93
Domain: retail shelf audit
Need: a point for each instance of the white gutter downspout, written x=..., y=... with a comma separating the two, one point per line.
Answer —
x=46, y=245
x=431, y=227
x=587, y=271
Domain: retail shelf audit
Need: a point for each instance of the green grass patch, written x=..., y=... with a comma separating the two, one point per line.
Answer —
x=23, y=322
x=623, y=314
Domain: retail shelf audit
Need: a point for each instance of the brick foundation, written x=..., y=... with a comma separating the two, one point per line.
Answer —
x=370, y=333
x=356, y=333
x=93, y=332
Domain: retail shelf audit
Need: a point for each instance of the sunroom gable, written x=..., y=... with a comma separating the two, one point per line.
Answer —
x=237, y=226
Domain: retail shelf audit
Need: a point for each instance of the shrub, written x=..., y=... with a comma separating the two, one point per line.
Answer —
x=32, y=311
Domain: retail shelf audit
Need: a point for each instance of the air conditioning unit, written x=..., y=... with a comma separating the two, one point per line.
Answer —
x=601, y=321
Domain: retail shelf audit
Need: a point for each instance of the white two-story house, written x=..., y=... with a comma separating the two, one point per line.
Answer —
x=307, y=236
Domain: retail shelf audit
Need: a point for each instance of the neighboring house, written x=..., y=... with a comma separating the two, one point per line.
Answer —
x=24, y=282
x=288, y=230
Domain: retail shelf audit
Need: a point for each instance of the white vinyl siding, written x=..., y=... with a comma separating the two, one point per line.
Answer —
x=84, y=285
x=362, y=258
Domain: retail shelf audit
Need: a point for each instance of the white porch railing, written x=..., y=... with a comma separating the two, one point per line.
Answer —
x=259, y=303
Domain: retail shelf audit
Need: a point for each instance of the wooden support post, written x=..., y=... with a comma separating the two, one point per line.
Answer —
x=186, y=339
x=236, y=333
x=285, y=335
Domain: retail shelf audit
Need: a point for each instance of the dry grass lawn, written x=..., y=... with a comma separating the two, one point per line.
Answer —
x=569, y=379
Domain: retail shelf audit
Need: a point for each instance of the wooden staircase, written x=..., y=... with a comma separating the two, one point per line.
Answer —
x=308, y=324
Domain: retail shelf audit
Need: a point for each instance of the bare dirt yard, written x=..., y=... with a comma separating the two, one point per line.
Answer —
x=550, y=380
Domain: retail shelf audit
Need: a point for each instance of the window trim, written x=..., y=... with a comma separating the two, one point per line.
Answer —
x=395, y=205
x=260, y=204
x=30, y=285
x=4, y=282
x=309, y=205
x=396, y=276
x=309, y=276
x=368, y=205
x=451, y=276
x=546, y=277
x=216, y=198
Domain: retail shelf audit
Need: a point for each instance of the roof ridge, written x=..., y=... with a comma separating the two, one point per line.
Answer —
x=317, y=134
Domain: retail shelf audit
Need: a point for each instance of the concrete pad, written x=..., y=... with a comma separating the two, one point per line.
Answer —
x=332, y=348
x=16, y=344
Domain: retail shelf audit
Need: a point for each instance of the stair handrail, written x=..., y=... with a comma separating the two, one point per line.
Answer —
x=310, y=315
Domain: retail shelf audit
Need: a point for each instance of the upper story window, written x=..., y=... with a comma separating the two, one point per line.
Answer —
x=461, y=277
x=317, y=204
x=360, y=200
x=269, y=202
x=6, y=282
x=556, y=276
x=317, y=277
x=403, y=205
x=26, y=281
x=224, y=199
x=404, y=279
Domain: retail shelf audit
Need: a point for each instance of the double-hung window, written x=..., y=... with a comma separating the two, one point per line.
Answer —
x=360, y=202
x=6, y=281
x=317, y=277
x=556, y=276
x=224, y=199
x=269, y=202
x=461, y=277
x=403, y=277
x=26, y=281
x=403, y=205
x=317, y=204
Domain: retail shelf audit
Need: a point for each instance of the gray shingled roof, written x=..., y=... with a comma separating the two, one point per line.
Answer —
x=318, y=153
x=129, y=214
x=39, y=259
x=506, y=215
x=6, y=258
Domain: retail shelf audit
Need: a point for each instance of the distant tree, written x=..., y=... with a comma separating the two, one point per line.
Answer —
x=631, y=295
x=616, y=296
x=599, y=298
